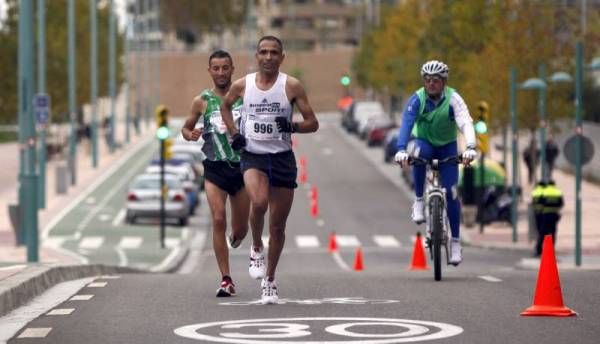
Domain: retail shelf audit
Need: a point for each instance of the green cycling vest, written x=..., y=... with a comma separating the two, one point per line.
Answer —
x=435, y=126
x=216, y=146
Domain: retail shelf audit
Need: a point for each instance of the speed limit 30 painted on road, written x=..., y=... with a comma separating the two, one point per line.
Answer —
x=339, y=330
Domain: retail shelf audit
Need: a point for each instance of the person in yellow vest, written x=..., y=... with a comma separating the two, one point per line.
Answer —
x=553, y=203
x=537, y=201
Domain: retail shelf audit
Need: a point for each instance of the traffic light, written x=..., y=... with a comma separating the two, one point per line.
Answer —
x=162, y=122
x=481, y=127
x=345, y=80
x=167, y=154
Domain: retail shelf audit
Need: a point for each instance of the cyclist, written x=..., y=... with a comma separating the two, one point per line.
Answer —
x=432, y=115
x=267, y=160
x=222, y=174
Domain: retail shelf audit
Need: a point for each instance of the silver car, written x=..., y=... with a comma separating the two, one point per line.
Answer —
x=143, y=198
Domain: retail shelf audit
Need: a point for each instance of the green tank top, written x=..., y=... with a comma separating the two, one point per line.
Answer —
x=435, y=126
x=216, y=145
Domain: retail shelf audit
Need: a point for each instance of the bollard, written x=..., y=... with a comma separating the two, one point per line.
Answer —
x=62, y=177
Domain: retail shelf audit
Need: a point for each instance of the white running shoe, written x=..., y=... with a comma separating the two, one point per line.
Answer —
x=269, y=292
x=455, y=252
x=418, y=211
x=257, y=268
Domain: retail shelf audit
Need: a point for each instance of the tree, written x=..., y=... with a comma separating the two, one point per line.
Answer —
x=56, y=57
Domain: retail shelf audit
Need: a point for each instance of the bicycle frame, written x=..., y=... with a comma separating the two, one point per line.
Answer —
x=436, y=218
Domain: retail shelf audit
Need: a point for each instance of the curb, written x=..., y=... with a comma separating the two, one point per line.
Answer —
x=18, y=289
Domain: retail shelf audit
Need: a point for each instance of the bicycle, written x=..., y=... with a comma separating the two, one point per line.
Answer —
x=436, y=217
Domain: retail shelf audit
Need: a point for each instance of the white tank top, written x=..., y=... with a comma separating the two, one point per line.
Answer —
x=259, y=110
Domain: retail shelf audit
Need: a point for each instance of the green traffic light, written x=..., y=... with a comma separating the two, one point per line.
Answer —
x=345, y=80
x=162, y=133
x=480, y=127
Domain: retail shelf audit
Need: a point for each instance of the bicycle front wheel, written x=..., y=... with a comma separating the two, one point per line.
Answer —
x=437, y=230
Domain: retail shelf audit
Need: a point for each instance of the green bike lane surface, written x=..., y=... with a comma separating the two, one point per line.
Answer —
x=94, y=228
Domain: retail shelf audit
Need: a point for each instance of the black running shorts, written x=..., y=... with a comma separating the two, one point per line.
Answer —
x=279, y=167
x=224, y=174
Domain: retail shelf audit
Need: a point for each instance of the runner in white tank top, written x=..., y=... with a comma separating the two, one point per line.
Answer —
x=259, y=110
x=267, y=161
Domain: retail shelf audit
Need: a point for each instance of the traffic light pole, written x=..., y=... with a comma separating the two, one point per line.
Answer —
x=480, y=206
x=162, y=193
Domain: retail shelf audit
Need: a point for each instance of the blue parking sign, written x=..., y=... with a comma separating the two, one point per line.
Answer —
x=41, y=108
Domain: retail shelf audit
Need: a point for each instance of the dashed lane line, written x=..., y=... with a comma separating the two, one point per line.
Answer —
x=307, y=241
x=61, y=311
x=490, y=278
x=386, y=241
x=347, y=240
x=91, y=242
x=119, y=218
x=97, y=285
x=35, y=332
x=82, y=297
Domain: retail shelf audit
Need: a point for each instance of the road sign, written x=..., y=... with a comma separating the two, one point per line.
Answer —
x=587, y=149
x=41, y=108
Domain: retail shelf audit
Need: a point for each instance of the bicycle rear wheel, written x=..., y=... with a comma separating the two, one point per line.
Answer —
x=437, y=228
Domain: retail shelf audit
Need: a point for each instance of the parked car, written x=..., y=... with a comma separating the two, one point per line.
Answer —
x=143, y=199
x=185, y=173
x=390, y=145
x=359, y=112
x=377, y=128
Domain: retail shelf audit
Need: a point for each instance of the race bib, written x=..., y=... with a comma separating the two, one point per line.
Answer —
x=217, y=123
x=262, y=128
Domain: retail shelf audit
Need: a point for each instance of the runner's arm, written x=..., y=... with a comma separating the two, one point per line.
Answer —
x=236, y=91
x=300, y=99
x=189, y=131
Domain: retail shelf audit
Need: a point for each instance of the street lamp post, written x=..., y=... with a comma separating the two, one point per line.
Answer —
x=515, y=150
x=112, y=74
x=94, y=80
x=41, y=5
x=578, y=132
x=72, y=94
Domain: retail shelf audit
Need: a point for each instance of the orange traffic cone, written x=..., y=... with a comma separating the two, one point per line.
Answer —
x=303, y=177
x=418, y=259
x=302, y=161
x=314, y=208
x=358, y=260
x=332, y=243
x=314, y=193
x=548, y=295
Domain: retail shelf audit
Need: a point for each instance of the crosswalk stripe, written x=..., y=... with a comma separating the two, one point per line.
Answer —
x=61, y=311
x=54, y=242
x=347, y=240
x=386, y=241
x=97, y=285
x=131, y=242
x=81, y=297
x=307, y=241
x=91, y=242
x=35, y=332
x=490, y=278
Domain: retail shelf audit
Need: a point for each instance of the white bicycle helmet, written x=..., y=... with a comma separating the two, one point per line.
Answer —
x=435, y=67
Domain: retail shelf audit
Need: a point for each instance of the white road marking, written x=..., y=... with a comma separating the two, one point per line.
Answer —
x=166, y=261
x=109, y=277
x=386, y=241
x=119, y=218
x=61, y=311
x=347, y=240
x=490, y=278
x=172, y=242
x=90, y=200
x=91, y=242
x=17, y=319
x=97, y=285
x=35, y=332
x=340, y=262
x=123, y=261
x=307, y=241
x=104, y=217
x=327, y=151
x=193, y=259
x=320, y=223
x=81, y=297
x=131, y=242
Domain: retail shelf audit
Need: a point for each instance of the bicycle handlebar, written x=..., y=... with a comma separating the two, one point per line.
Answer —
x=415, y=160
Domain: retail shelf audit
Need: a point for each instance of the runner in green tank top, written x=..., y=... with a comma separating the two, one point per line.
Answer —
x=222, y=174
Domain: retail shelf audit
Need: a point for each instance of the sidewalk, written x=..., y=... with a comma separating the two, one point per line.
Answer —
x=499, y=235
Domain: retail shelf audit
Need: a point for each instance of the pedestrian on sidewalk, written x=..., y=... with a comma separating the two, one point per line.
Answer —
x=552, y=205
x=223, y=178
x=531, y=156
x=537, y=201
x=551, y=151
